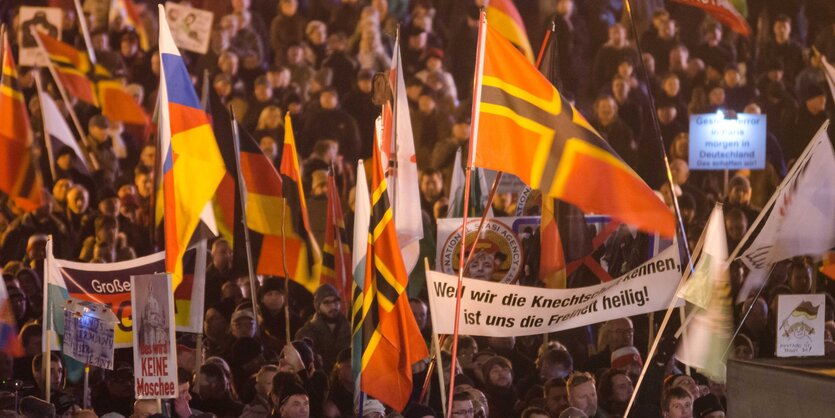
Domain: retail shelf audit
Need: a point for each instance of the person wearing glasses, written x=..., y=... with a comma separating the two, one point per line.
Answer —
x=462, y=406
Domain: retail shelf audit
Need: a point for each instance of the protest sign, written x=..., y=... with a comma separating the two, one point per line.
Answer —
x=800, y=325
x=89, y=330
x=190, y=27
x=110, y=284
x=154, y=353
x=719, y=143
x=499, y=255
x=502, y=310
x=43, y=19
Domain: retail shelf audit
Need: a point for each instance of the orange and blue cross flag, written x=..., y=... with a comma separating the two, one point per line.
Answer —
x=192, y=166
x=18, y=175
x=507, y=21
x=392, y=342
x=525, y=127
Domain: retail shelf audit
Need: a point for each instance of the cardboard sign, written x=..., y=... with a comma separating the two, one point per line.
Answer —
x=190, y=27
x=717, y=143
x=502, y=310
x=89, y=330
x=154, y=352
x=44, y=19
x=800, y=325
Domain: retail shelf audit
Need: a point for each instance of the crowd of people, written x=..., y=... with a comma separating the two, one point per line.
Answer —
x=315, y=59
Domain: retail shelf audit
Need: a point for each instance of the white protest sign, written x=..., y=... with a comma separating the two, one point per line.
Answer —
x=154, y=353
x=89, y=330
x=800, y=325
x=717, y=143
x=501, y=310
x=191, y=28
x=45, y=20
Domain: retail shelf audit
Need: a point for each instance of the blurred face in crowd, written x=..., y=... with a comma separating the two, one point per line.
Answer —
x=680, y=171
x=289, y=7
x=297, y=406
x=420, y=311
x=431, y=186
x=584, y=397
x=263, y=91
x=144, y=184
x=463, y=409
x=223, y=88
x=228, y=63
x=687, y=383
x=679, y=408
x=620, y=89
x=274, y=300
x=732, y=78
x=716, y=96
x=426, y=104
x=56, y=375
x=128, y=47
x=620, y=333
x=328, y=100
x=739, y=195
x=617, y=35
x=104, y=252
x=295, y=54
x=65, y=161
x=222, y=255
x=667, y=29
x=713, y=35
x=107, y=234
x=77, y=200
x=215, y=325
x=240, y=5
x=782, y=30
x=264, y=382
x=329, y=309
x=565, y=7
x=269, y=147
x=210, y=387
x=556, y=399
x=800, y=279
x=500, y=376
x=148, y=156
x=816, y=105
x=666, y=115
x=606, y=110
x=621, y=388
x=417, y=41
x=98, y=133
x=59, y=191
x=243, y=327
x=671, y=86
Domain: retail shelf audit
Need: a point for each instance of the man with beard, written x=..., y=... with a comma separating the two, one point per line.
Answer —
x=328, y=328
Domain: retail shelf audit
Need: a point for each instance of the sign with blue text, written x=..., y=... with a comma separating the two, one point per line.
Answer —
x=724, y=143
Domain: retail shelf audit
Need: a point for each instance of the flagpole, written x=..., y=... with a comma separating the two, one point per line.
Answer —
x=47, y=142
x=394, y=146
x=157, y=176
x=82, y=21
x=683, y=248
x=236, y=141
x=482, y=31
x=67, y=104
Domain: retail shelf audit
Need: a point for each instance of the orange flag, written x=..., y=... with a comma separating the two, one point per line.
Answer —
x=526, y=128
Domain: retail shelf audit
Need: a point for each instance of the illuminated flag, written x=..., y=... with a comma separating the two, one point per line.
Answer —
x=551, y=256
x=9, y=342
x=59, y=132
x=19, y=177
x=506, y=20
x=192, y=166
x=94, y=85
x=126, y=11
x=362, y=217
x=724, y=12
x=392, y=342
x=525, y=127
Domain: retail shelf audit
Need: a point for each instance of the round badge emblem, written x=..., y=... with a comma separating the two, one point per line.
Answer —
x=497, y=255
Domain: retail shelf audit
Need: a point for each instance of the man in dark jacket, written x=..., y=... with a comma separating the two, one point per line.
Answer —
x=328, y=329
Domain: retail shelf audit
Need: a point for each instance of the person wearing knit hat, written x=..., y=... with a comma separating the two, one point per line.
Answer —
x=372, y=408
x=272, y=300
x=328, y=329
x=626, y=358
x=708, y=406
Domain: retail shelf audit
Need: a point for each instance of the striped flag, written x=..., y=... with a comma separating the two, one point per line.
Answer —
x=724, y=12
x=551, y=257
x=309, y=264
x=19, y=177
x=9, y=342
x=336, y=257
x=362, y=217
x=392, y=342
x=507, y=21
x=192, y=165
x=129, y=15
x=92, y=84
x=554, y=148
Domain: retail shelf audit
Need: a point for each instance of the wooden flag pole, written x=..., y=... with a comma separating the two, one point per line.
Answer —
x=682, y=242
x=482, y=32
x=253, y=289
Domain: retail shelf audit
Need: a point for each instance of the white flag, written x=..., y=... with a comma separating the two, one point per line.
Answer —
x=59, y=132
x=403, y=182
x=797, y=220
x=708, y=333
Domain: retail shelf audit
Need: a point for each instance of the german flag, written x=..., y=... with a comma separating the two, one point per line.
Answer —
x=507, y=21
x=391, y=338
x=125, y=10
x=336, y=256
x=18, y=175
x=525, y=127
x=92, y=84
